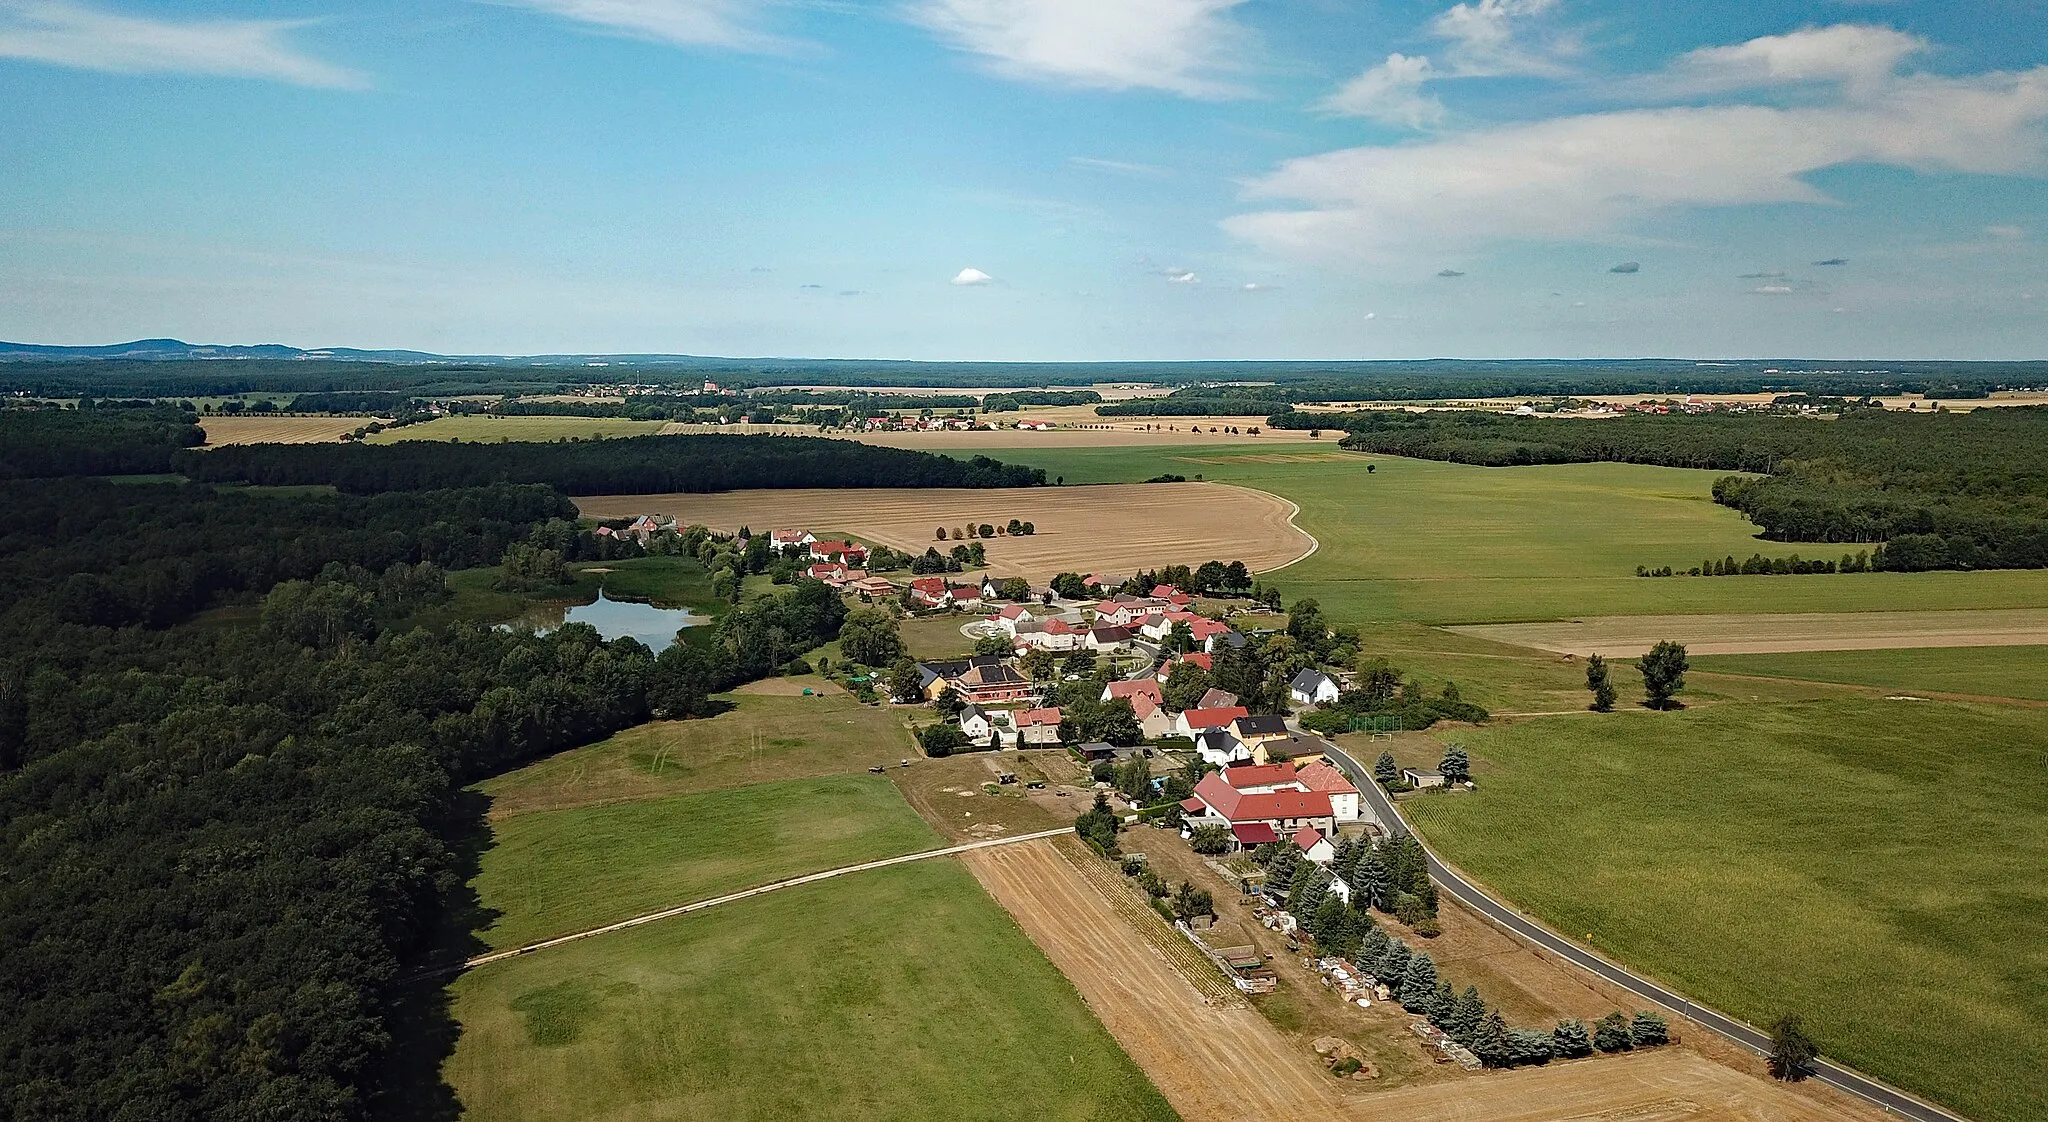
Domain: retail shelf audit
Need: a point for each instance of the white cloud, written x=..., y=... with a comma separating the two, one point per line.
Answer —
x=1390, y=92
x=1591, y=177
x=1182, y=276
x=2006, y=233
x=732, y=24
x=971, y=277
x=1860, y=56
x=1491, y=38
x=1257, y=287
x=1180, y=46
x=1121, y=167
x=88, y=38
x=1773, y=289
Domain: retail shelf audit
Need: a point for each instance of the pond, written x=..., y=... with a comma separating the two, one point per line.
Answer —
x=616, y=619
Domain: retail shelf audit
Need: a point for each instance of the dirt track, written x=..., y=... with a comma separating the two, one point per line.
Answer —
x=1628, y=636
x=1226, y=1064
x=1115, y=528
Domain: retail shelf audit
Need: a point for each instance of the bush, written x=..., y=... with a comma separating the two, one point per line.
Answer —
x=939, y=741
x=796, y=667
x=1427, y=927
x=1133, y=866
x=1346, y=1067
x=1209, y=840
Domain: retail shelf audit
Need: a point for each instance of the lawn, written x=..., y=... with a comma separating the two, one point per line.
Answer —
x=2020, y=672
x=1450, y=543
x=1879, y=867
x=762, y=738
x=901, y=993
x=553, y=872
x=481, y=428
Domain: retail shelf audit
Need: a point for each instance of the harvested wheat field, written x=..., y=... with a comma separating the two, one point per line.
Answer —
x=1629, y=636
x=1118, y=528
x=1075, y=432
x=258, y=429
x=1225, y=1062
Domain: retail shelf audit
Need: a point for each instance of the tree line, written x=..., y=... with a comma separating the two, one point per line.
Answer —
x=635, y=465
x=44, y=443
x=1937, y=490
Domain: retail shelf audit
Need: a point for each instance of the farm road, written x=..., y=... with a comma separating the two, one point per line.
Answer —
x=1741, y=1032
x=733, y=897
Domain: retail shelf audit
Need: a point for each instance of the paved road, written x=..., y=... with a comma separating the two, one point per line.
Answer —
x=1469, y=894
x=700, y=905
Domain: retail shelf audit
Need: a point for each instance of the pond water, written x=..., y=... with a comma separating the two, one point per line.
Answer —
x=616, y=619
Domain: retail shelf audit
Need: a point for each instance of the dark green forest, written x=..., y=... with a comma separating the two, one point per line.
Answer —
x=1938, y=490
x=232, y=766
x=38, y=443
x=635, y=465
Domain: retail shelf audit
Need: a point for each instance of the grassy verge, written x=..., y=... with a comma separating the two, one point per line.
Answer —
x=1877, y=867
x=554, y=872
x=904, y=993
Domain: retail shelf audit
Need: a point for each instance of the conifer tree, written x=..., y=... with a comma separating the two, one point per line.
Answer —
x=1612, y=1035
x=1649, y=1030
x=1490, y=1042
x=1372, y=882
x=1392, y=964
x=1443, y=1006
x=1598, y=682
x=1570, y=1041
x=1465, y=1019
x=1385, y=770
x=1456, y=766
x=1418, y=984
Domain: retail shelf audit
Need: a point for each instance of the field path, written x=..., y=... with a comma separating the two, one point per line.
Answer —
x=1112, y=527
x=744, y=894
x=1218, y=1063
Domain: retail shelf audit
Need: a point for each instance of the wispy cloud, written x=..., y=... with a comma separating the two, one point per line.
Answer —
x=1594, y=176
x=2006, y=233
x=1860, y=56
x=1390, y=92
x=728, y=24
x=63, y=33
x=1187, y=47
x=1121, y=167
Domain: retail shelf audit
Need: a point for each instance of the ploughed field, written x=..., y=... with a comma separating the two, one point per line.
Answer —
x=1102, y=529
x=1878, y=867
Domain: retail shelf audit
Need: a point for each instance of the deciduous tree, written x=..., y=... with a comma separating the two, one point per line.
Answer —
x=1663, y=672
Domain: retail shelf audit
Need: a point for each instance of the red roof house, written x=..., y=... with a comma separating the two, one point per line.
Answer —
x=1290, y=810
x=1201, y=720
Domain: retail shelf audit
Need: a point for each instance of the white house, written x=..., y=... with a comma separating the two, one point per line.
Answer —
x=1315, y=846
x=1220, y=748
x=1038, y=727
x=1313, y=687
x=1195, y=721
x=1317, y=775
x=978, y=723
x=1011, y=617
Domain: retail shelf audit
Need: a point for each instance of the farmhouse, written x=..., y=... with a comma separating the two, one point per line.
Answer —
x=851, y=553
x=1132, y=691
x=1052, y=635
x=1312, y=687
x=1038, y=727
x=1171, y=595
x=1011, y=616
x=1314, y=846
x=1268, y=796
x=1420, y=777
x=1108, y=639
x=931, y=592
x=1319, y=776
x=780, y=540
x=1195, y=721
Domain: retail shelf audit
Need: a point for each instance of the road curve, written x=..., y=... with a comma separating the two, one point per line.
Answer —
x=733, y=897
x=1741, y=1032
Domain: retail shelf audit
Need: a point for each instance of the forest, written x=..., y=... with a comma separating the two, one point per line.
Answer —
x=635, y=465
x=1937, y=490
x=227, y=838
x=94, y=440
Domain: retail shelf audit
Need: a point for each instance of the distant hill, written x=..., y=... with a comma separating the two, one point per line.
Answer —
x=176, y=349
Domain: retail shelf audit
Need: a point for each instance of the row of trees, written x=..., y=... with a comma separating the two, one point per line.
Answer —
x=1013, y=528
x=1759, y=565
x=1663, y=669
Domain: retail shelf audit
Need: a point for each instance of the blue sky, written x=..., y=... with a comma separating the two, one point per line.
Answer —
x=1030, y=179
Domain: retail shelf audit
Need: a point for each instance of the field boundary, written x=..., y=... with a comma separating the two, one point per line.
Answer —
x=729, y=898
x=1183, y=956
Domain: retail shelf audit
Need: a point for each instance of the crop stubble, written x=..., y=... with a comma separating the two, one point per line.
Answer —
x=277, y=430
x=1116, y=528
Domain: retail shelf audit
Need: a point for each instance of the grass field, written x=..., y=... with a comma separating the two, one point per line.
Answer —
x=761, y=739
x=2019, y=672
x=1878, y=867
x=902, y=993
x=1741, y=633
x=1450, y=543
x=553, y=872
x=492, y=430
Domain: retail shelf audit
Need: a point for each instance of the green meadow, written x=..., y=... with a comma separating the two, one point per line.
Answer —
x=902, y=993
x=2016, y=672
x=1450, y=543
x=1879, y=867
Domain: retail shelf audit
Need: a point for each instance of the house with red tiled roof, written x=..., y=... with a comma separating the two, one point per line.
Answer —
x=1319, y=776
x=780, y=540
x=826, y=571
x=931, y=592
x=1314, y=845
x=1159, y=625
x=1171, y=595
x=870, y=587
x=1195, y=721
x=992, y=683
x=1199, y=659
x=1038, y=726
x=1153, y=719
x=852, y=553
x=1143, y=687
x=1218, y=801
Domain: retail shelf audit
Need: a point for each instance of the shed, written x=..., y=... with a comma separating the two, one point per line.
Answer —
x=1420, y=777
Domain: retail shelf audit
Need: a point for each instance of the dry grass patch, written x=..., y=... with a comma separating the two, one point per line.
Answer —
x=259, y=429
x=1629, y=636
x=1117, y=528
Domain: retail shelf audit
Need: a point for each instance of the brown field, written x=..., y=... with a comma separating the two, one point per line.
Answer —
x=1628, y=636
x=1226, y=1062
x=1104, y=432
x=277, y=430
x=1118, y=528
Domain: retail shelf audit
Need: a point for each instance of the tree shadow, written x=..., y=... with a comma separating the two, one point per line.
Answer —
x=419, y=1009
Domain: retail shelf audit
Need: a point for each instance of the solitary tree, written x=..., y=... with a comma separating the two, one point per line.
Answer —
x=1456, y=766
x=1598, y=682
x=904, y=681
x=1386, y=770
x=1792, y=1051
x=1663, y=673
